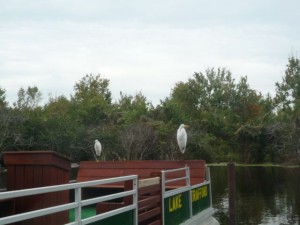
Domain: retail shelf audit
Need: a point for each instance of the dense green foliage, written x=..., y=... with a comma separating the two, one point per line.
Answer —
x=227, y=120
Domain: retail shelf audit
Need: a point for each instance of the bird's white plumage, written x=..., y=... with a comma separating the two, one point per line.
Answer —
x=97, y=147
x=182, y=138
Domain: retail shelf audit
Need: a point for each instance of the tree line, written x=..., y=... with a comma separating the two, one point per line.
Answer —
x=228, y=121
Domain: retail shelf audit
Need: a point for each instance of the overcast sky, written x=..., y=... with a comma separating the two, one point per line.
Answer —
x=143, y=46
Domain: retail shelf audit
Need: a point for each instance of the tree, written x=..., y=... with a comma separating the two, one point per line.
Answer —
x=132, y=108
x=288, y=101
x=92, y=100
x=59, y=126
x=28, y=99
x=216, y=106
x=288, y=91
x=92, y=112
x=138, y=141
x=92, y=87
x=3, y=102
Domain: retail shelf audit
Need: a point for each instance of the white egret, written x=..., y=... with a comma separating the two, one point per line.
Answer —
x=98, y=148
x=182, y=137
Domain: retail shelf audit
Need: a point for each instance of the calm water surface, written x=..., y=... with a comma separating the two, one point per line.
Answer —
x=265, y=195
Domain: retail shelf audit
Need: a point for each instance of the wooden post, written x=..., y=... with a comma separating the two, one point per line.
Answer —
x=231, y=193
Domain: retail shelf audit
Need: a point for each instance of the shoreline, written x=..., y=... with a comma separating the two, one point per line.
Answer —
x=254, y=165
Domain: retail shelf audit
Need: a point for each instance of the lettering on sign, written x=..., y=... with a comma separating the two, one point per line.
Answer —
x=175, y=203
x=199, y=193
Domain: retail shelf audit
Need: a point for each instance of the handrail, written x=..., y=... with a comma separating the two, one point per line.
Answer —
x=165, y=172
x=165, y=193
x=77, y=204
x=63, y=187
x=176, y=179
x=186, y=188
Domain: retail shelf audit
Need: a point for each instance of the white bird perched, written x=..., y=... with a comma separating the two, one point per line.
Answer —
x=97, y=147
x=182, y=137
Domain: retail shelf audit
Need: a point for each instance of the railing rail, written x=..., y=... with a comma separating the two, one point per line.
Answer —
x=169, y=198
x=165, y=181
x=77, y=204
x=186, y=188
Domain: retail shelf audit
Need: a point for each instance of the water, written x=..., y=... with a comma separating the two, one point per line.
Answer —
x=265, y=195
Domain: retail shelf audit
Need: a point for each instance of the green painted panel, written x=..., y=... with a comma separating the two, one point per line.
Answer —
x=176, y=209
x=126, y=218
x=200, y=199
x=85, y=212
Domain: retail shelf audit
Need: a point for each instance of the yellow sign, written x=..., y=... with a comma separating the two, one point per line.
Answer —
x=175, y=203
x=199, y=193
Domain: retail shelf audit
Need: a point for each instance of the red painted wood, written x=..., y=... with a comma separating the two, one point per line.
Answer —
x=147, y=202
x=149, y=189
x=38, y=169
x=91, y=170
x=7, y=207
x=157, y=222
x=108, y=206
x=149, y=214
x=158, y=164
x=37, y=158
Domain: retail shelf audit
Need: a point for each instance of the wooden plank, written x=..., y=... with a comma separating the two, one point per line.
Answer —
x=142, y=172
x=37, y=169
x=91, y=170
x=136, y=165
x=149, y=189
x=37, y=158
x=46, y=199
x=100, y=172
x=121, y=184
x=151, y=201
x=107, y=173
x=11, y=182
x=144, y=164
x=149, y=214
x=7, y=207
x=103, y=207
x=157, y=222
x=148, y=182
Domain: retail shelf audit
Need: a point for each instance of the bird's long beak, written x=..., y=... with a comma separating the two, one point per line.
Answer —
x=186, y=126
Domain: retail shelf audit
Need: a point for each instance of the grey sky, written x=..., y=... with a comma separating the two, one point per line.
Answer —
x=144, y=46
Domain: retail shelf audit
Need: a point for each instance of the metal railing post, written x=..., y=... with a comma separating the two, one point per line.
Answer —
x=188, y=184
x=207, y=171
x=135, y=199
x=77, y=193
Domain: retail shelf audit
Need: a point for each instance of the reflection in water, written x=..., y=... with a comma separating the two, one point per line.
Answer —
x=265, y=195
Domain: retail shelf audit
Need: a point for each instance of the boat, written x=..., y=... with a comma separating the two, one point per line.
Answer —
x=169, y=197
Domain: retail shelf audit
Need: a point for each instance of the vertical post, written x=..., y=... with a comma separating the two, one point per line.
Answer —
x=135, y=199
x=188, y=183
x=231, y=193
x=163, y=179
x=78, y=209
x=207, y=177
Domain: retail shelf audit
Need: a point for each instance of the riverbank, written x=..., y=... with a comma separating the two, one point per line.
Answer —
x=255, y=165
